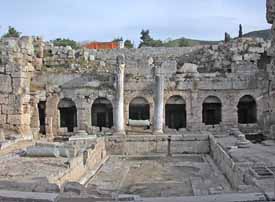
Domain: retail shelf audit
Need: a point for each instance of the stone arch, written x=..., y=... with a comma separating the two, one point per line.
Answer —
x=68, y=114
x=139, y=109
x=212, y=110
x=175, y=112
x=102, y=113
x=247, y=110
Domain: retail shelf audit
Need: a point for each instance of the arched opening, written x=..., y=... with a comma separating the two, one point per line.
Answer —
x=175, y=113
x=247, y=110
x=139, y=109
x=212, y=111
x=68, y=114
x=102, y=113
x=42, y=117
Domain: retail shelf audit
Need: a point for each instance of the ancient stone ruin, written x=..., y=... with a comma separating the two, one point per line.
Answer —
x=148, y=124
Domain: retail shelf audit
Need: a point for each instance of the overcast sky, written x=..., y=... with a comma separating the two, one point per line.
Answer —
x=103, y=20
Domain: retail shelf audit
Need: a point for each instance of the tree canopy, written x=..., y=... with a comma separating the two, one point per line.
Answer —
x=147, y=40
x=128, y=44
x=12, y=32
x=65, y=42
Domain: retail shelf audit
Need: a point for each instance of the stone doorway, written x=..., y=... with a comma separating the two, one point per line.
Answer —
x=42, y=117
x=247, y=110
x=102, y=113
x=212, y=111
x=68, y=114
x=175, y=113
x=139, y=109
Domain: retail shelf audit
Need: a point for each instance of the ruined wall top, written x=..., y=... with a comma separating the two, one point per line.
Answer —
x=45, y=57
x=270, y=14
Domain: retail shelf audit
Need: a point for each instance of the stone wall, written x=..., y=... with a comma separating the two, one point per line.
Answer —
x=228, y=71
x=35, y=71
x=144, y=145
x=16, y=67
x=268, y=117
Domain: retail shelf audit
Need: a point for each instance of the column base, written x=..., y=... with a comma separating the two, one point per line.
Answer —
x=158, y=132
x=119, y=133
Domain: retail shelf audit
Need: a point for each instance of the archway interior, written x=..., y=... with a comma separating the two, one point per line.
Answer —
x=68, y=114
x=139, y=109
x=175, y=113
x=42, y=117
x=247, y=110
x=212, y=111
x=102, y=113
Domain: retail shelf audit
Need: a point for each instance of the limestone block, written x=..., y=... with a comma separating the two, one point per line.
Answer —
x=237, y=58
x=252, y=57
x=256, y=49
x=86, y=55
x=37, y=151
x=21, y=85
x=19, y=74
x=26, y=119
x=74, y=187
x=3, y=119
x=188, y=68
x=14, y=106
x=38, y=63
x=5, y=83
x=91, y=57
x=4, y=99
x=14, y=119
x=2, y=67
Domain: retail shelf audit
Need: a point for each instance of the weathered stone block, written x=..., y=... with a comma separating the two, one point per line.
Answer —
x=5, y=83
x=237, y=58
x=14, y=119
x=3, y=119
x=256, y=49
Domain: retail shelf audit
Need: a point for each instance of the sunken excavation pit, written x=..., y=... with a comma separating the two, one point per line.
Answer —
x=148, y=124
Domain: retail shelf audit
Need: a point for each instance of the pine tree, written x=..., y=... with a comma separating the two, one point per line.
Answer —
x=12, y=32
x=240, y=31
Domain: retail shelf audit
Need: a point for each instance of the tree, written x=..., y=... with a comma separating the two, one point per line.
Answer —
x=128, y=44
x=118, y=39
x=147, y=40
x=65, y=42
x=12, y=32
x=227, y=37
x=240, y=31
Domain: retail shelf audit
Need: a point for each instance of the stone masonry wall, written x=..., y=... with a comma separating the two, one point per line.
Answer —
x=16, y=67
x=33, y=71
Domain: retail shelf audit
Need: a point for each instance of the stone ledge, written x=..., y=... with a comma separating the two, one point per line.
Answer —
x=7, y=196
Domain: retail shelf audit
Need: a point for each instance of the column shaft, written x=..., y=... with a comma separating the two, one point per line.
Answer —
x=159, y=104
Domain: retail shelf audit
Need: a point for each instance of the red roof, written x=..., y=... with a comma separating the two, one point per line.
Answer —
x=102, y=45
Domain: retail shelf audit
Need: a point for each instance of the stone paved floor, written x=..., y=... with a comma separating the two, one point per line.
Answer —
x=14, y=167
x=159, y=176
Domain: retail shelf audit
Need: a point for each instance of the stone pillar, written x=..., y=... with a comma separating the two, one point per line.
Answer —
x=35, y=122
x=159, y=102
x=49, y=128
x=119, y=113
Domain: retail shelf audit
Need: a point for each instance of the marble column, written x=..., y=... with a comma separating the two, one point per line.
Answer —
x=159, y=102
x=119, y=113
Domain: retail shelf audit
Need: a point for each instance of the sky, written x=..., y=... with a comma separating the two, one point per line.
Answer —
x=104, y=20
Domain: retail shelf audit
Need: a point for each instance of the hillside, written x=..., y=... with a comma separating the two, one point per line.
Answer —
x=265, y=34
